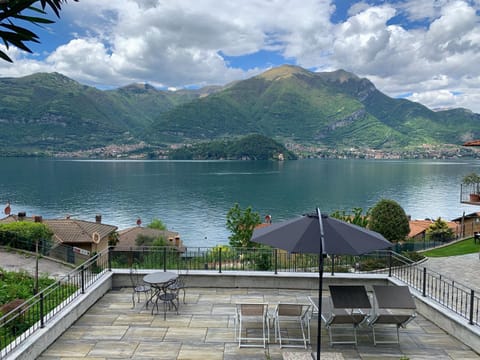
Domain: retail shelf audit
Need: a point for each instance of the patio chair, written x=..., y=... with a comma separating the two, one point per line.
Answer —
x=179, y=285
x=167, y=295
x=292, y=313
x=347, y=306
x=251, y=313
x=139, y=287
x=393, y=305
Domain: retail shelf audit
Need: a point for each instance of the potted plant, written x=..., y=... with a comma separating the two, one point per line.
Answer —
x=473, y=181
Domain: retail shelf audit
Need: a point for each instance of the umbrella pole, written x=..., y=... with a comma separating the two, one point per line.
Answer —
x=320, y=285
x=319, y=320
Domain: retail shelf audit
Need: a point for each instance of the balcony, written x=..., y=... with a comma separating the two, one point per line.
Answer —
x=470, y=194
x=98, y=320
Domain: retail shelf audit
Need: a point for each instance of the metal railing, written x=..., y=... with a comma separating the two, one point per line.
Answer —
x=62, y=252
x=452, y=294
x=25, y=319
x=32, y=314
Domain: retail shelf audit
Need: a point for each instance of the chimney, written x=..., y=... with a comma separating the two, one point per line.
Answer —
x=37, y=219
x=98, y=218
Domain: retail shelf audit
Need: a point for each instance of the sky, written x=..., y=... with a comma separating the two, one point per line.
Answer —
x=423, y=50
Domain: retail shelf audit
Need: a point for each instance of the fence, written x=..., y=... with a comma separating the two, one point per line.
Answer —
x=57, y=251
x=28, y=317
x=32, y=314
x=453, y=295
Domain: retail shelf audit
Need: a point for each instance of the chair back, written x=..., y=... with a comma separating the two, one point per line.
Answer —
x=134, y=276
x=253, y=309
x=290, y=309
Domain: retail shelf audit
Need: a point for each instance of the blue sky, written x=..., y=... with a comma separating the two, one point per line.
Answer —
x=423, y=50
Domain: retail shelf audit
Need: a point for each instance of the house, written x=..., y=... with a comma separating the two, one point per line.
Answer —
x=468, y=224
x=418, y=228
x=82, y=237
x=87, y=235
x=127, y=238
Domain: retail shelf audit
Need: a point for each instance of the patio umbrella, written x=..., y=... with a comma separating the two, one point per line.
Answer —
x=320, y=234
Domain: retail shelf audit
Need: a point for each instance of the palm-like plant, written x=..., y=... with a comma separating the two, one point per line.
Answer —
x=11, y=13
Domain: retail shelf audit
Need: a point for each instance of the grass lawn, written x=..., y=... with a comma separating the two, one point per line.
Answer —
x=467, y=246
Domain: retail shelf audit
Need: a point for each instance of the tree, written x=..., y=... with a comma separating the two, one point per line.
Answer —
x=241, y=224
x=356, y=217
x=388, y=218
x=439, y=231
x=157, y=224
x=11, y=14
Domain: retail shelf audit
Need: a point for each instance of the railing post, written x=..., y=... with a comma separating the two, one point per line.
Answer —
x=82, y=272
x=275, y=257
x=164, y=258
x=472, y=302
x=333, y=264
x=220, y=260
x=424, y=285
x=42, y=311
x=110, y=252
x=390, y=263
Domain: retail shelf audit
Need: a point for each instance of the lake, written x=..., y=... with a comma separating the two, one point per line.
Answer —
x=193, y=197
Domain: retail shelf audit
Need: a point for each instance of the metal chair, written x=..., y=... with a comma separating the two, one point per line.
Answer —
x=167, y=296
x=178, y=285
x=248, y=313
x=139, y=287
x=288, y=313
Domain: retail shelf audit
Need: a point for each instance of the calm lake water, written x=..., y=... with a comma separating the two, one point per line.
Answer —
x=193, y=198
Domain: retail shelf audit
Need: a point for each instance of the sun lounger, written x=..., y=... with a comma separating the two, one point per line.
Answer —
x=393, y=305
x=346, y=306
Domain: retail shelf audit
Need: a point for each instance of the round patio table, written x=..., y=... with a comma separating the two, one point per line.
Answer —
x=160, y=281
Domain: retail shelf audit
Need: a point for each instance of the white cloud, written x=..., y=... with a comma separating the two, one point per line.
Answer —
x=180, y=43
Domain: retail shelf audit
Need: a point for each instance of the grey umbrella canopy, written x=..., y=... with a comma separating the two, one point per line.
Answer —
x=302, y=235
x=320, y=234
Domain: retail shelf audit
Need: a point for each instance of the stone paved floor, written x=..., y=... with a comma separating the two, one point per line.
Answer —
x=462, y=268
x=203, y=330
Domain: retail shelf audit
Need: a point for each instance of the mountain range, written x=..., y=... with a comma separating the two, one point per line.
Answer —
x=51, y=113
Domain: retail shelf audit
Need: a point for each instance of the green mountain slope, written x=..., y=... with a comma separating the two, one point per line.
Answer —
x=332, y=109
x=50, y=112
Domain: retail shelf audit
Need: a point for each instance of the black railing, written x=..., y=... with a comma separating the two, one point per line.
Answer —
x=32, y=314
x=64, y=253
x=451, y=294
x=28, y=317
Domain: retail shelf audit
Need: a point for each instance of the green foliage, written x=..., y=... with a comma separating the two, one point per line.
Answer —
x=413, y=255
x=157, y=224
x=25, y=234
x=145, y=240
x=241, y=224
x=11, y=13
x=50, y=113
x=356, y=217
x=19, y=285
x=388, y=218
x=251, y=147
x=463, y=247
x=113, y=239
x=439, y=231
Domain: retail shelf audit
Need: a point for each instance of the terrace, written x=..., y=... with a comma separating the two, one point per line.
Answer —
x=99, y=321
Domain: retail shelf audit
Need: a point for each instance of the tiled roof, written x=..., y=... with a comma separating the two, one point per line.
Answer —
x=78, y=231
x=419, y=226
x=128, y=236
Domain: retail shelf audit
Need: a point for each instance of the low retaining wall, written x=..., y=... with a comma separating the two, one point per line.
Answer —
x=451, y=323
x=118, y=278
x=41, y=339
x=258, y=279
